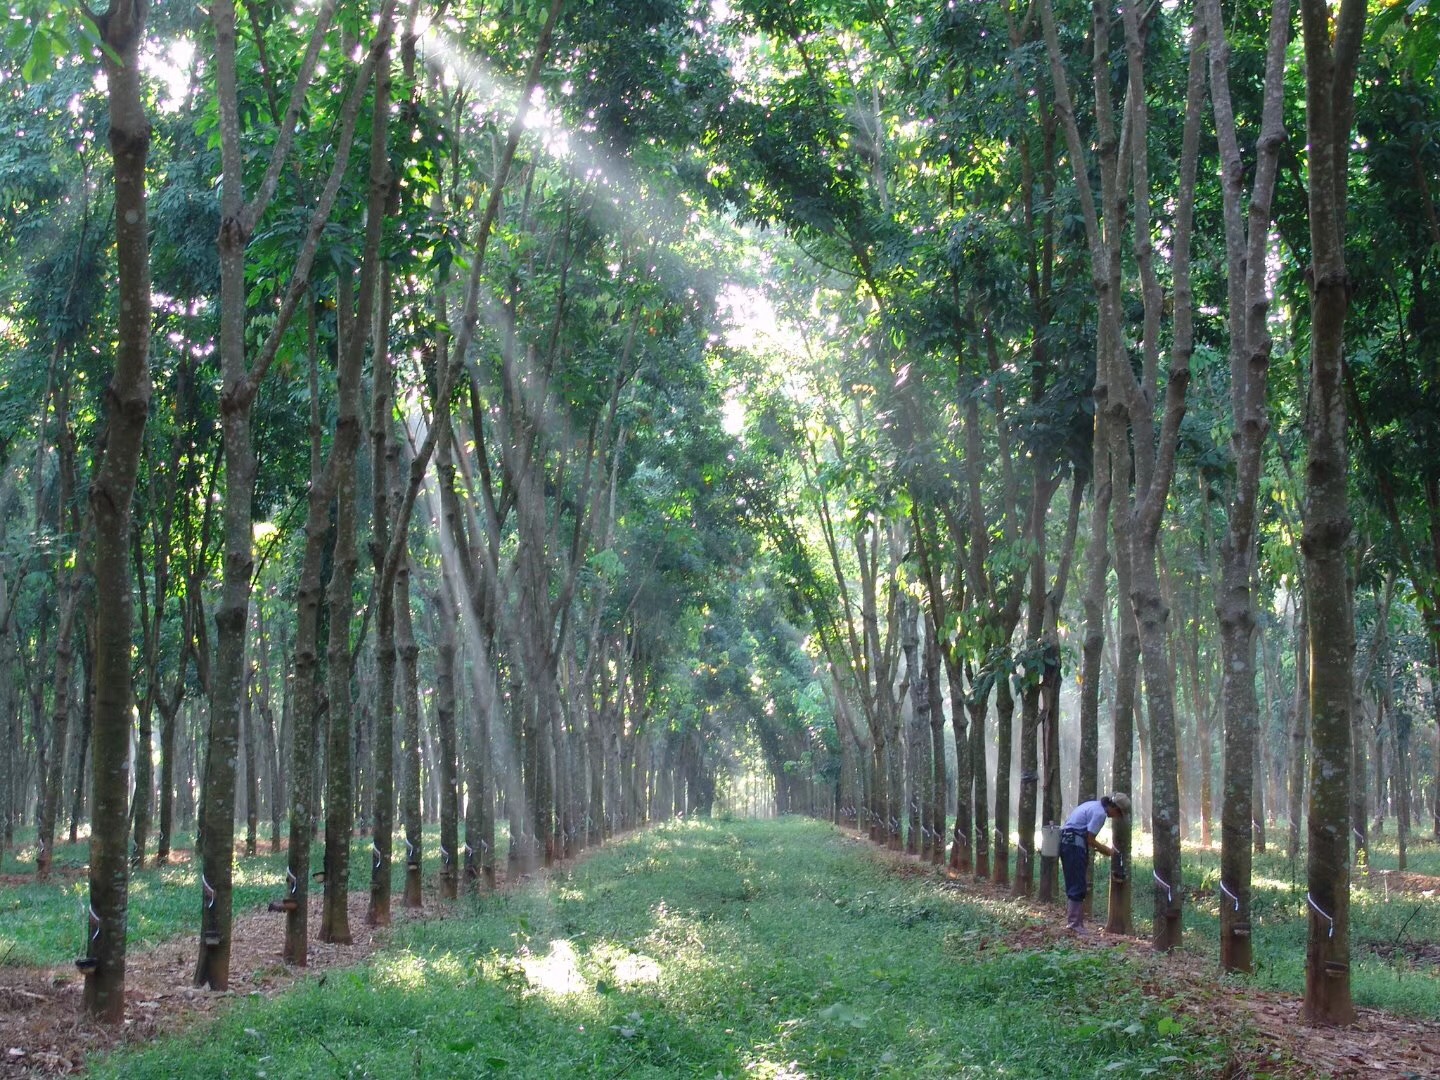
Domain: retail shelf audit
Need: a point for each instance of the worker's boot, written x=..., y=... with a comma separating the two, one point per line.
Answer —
x=1075, y=915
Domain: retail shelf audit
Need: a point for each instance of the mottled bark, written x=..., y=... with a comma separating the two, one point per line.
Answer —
x=305, y=686
x=1299, y=728
x=445, y=646
x=240, y=382
x=1250, y=346
x=382, y=402
x=1004, y=726
x=343, y=718
x=935, y=783
x=127, y=400
x=1097, y=565
x=409, y=694
x=1332, y=46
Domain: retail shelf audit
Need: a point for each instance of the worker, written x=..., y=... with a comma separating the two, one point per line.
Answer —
x=1077, y=837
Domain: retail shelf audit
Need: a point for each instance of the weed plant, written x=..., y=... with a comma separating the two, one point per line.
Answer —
x=708, y=949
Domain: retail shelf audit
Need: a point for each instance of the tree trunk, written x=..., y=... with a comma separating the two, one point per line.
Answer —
x=1120, y=913
x=1250, y=347
x=445, y=644
x=1093, y=602
x=50, y=776
x=1299, y=727
x=305, y=684
x=1332, y=46
x=1004, y=725
x=977, y=706
x=382, y=390
x=344, y=719
x=248, y=739
x=128, y=397
x=936, y=783
x=82, y=744
x=240, y=385
x=1052, y=808
x=410, y=739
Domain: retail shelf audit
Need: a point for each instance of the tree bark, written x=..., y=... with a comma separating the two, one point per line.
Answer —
x=409, y=652
x=240, y=382
x=1332, y=46
x=343, y=718
x=111, y=494
x=1250, y=346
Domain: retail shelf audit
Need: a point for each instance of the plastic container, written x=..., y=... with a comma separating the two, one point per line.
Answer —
x=1050, y=841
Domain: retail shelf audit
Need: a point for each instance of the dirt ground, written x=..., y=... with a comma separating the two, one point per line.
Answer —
x=43, y=1035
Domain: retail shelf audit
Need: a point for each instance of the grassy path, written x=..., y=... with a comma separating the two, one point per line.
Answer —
x=712, y=950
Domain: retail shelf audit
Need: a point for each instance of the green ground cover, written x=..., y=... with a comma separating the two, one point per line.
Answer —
x=1394, y=935
x=708, y=949
x=42, y=925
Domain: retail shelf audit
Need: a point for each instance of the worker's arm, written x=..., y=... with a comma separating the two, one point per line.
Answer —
x=1095, y=843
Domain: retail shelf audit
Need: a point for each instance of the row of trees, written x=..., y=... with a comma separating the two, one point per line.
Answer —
x=517, y=343
x=372, y=394
x=1021, y=201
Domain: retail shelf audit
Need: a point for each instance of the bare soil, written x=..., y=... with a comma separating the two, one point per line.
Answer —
x=42, y=1033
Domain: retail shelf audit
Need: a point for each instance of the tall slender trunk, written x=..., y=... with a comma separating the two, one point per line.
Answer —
x=1250, y=347
x=936, y=783
x=382, y=391
x=248, y=739
x=1052, y=807
x=1096, y=570
x=77, y=785
x=1004, y=725
x=1332, y=46
x=445, y=646
x=111, y=494
x=305, y=682
x=1299, y=727
x=409, y=651
x=1120, y=913
x=240, y=382
x=343, y=718
x=977, y=705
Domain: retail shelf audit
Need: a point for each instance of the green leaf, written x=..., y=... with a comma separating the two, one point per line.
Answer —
x=1168, y=1025
x=39, y=63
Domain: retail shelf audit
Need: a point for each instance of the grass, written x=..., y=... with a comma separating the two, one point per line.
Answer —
x=1385, y=929
x=43, y=925
x=707, y=949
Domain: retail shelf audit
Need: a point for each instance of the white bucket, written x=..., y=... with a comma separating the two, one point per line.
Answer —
x=1050, y=841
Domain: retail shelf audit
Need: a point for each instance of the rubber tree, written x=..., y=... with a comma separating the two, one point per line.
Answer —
x=1140, y=409
x=1332, y=44
x=1247, y=306
x=122, y=29
x=241, y=375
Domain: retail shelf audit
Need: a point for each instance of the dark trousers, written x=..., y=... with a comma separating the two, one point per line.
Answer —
x=1074, y=860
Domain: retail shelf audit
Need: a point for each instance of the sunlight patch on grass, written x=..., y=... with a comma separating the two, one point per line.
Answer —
x=674, y=932
x=405, y=971
x=557, y=973
x=635, y=969
x=772, y=1070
